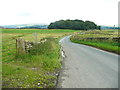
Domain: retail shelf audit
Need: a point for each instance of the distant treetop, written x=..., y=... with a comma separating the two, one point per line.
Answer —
x=73, y=24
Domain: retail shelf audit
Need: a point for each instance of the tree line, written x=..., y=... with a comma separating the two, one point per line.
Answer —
x=73, y=24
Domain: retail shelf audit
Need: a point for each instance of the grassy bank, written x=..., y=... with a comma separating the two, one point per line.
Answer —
x=39, y=68
x=107, y=39
x=28, y=70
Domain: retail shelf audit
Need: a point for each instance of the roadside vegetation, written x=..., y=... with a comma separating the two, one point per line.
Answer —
x=104, y=39
x=37, y=69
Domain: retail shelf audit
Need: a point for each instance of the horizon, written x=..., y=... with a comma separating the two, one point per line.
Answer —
x=103, y=12
x=48, y=24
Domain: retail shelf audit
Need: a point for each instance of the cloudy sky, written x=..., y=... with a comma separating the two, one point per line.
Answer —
x=102, y=12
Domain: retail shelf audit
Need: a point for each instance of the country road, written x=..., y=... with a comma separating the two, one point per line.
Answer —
x=87, y=67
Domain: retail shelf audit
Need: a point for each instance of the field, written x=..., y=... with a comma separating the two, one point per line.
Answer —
x=40, y=67
x=104, y=39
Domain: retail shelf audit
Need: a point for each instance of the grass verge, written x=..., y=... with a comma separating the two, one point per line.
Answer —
x=100, y=45
x=34, y=70
x=99, y=39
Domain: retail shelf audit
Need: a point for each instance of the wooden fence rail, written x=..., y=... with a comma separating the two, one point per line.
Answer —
x=15, y=46
x=8, y=50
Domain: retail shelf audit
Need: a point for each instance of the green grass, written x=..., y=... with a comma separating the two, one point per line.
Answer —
x=100, y=45
x=37, y=30
x=34, y=65
x=39, y=66
x=21, y=77
x=108, y=45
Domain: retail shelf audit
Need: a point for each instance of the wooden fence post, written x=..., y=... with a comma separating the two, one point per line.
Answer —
x=20, y=46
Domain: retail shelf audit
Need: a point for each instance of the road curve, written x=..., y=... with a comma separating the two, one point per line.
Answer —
x=87, y=67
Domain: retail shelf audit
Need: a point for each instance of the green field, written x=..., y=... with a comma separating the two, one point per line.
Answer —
x=37, y=30
x=104, y=39
x=38, y=68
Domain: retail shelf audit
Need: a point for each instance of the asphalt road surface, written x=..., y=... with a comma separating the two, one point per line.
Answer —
x=87, y=67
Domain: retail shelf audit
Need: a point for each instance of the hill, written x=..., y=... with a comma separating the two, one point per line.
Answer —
x=38, y=26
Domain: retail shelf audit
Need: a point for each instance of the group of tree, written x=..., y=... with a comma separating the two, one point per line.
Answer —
x=73, y=24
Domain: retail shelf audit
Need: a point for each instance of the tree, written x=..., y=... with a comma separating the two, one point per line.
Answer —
x=99, y=27
x=73, y=24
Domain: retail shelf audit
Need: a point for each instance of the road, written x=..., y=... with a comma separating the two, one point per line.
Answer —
x=87, y=67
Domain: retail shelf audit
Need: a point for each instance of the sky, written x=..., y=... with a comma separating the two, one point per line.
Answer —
x=102, y=12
